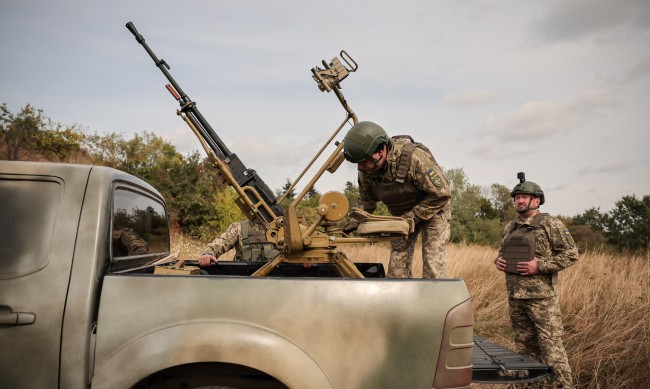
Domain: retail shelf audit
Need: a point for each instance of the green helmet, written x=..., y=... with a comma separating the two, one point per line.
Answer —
x=362, y=140
x=527, y=187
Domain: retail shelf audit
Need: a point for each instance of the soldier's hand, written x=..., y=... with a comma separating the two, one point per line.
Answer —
x=350, y=226
x=528, y=268
x=206, y=259
x=501, y=264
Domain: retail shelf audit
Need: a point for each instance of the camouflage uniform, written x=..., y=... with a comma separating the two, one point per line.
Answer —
x=248, y=240
x=424, y=196
x=127, y=242
x=534, y=307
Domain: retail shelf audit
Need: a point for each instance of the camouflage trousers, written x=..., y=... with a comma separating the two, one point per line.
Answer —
x=537, y=324
x=435, y=236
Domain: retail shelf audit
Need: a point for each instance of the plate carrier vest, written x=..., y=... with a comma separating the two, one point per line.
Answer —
x=255, y=247
x=519, y=245
x=400, y=196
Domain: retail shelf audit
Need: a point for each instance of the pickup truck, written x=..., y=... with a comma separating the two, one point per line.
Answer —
x=79, y=309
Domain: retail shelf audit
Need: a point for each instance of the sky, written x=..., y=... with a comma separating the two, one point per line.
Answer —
x=557, y=89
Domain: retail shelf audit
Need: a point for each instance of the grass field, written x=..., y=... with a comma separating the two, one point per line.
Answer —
x=604, y=298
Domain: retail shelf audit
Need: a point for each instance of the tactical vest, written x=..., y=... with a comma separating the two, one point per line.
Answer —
x=254, y=245
x=400, y=196
x=519, y=245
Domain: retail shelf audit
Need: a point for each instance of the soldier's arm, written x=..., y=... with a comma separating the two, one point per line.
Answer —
x=564, y=251
x=429, y=178
x=224, y=242
x=133, y=242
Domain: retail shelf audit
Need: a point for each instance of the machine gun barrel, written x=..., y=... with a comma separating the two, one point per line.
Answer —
x=238, y=176
x=187, y=105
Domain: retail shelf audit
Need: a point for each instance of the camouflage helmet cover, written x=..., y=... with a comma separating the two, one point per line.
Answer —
x=362, y=140
x=527, y=187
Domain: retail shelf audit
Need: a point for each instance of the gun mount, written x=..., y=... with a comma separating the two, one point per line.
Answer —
x=298, y=243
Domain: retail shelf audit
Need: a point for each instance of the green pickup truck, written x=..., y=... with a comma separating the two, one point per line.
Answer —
x=79, y=310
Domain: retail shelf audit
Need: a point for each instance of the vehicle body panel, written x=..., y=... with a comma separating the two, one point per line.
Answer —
x=358, y=333
x=43, y=291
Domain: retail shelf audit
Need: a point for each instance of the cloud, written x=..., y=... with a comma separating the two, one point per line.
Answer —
x=577, y=19
x=558, y=188
x=610, y=167
x=535, y=120
x=472, y=98
x=500, y=151
x=584, y=171
x=639, y=70
x=541, y=119
x=595, y=99
x=614, y=167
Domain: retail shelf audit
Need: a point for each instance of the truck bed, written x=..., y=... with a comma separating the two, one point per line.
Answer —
x=491, y=363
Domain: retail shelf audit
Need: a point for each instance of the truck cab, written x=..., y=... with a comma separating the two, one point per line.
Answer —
x=57, y=221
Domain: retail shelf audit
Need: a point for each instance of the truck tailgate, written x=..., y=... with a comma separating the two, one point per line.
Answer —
x=495, y=364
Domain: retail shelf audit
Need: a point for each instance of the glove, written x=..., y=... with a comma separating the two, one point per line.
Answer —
x=350, y=226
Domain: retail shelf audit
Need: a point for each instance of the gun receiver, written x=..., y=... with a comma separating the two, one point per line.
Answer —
x=256, y=200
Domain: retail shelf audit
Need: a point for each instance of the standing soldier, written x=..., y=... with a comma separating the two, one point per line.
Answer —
x=248, y=240
x=403, y=175
x=534, y=248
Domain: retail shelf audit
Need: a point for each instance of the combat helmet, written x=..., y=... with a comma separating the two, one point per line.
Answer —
x=527, y=187
x=362, y=140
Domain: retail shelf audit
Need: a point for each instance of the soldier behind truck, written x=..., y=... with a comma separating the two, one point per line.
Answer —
x=534, y=248
x=248, y=240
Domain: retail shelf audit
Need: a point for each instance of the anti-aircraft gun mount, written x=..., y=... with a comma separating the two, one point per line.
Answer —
x=298, y=243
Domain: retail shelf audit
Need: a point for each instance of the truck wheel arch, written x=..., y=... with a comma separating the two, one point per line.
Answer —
x=234, y=343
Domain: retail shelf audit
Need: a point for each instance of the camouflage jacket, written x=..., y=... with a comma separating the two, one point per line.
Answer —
x=423, y=172
x=555, y=250
x=127, y=242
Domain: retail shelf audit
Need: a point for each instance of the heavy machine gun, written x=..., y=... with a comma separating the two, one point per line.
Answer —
x=257, y=200
x=297, y=242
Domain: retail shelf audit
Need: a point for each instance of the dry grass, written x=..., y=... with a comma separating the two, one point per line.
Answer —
x=604, y=298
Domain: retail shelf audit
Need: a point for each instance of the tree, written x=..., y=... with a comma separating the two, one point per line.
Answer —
x=225, y=210
x=593, y=219
x=501, y=201
x=587, y=238
x=312, y=193
x=351, y=192
x=629, y=224
x=188, y=183
x=291, y=194
x=19, y=131
x=466, y=205
x=59, y=143
x=30, y=135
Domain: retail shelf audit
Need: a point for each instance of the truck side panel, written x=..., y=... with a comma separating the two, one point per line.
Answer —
x=294, y=324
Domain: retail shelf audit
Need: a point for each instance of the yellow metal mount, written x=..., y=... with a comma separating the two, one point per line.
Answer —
x=307, y=245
